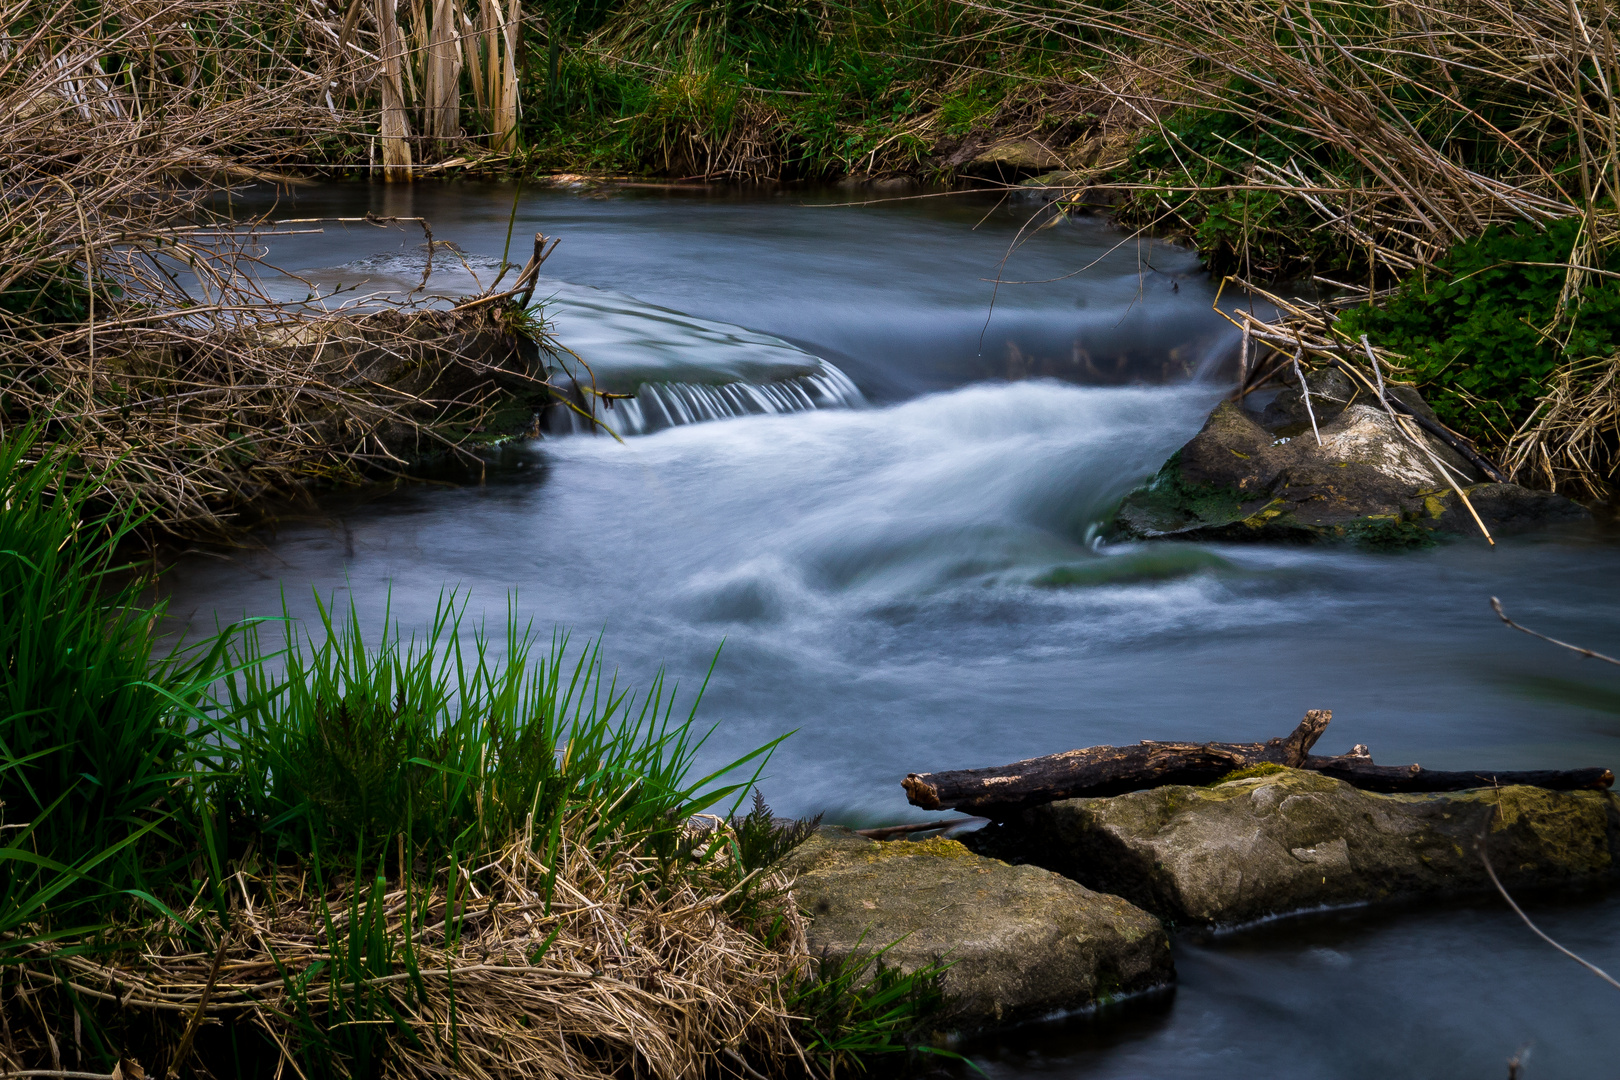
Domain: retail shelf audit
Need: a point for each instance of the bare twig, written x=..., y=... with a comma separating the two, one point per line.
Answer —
x=921, y=826
x=1496, y=606
x=1587, y=964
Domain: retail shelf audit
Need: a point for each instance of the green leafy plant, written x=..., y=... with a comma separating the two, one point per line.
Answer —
x=1483, y=332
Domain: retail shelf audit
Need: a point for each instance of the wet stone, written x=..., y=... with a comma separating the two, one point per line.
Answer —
x=1024, y=942
x=1293, y=840
x=1266, y=477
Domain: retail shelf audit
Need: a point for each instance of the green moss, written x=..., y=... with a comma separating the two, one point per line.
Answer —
x=1265, y=768
x=1389, y=534
x=937, y=847
x=1170, y=503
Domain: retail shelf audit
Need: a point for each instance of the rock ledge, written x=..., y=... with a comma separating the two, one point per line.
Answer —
x=1025, y=942
x=1293, y=840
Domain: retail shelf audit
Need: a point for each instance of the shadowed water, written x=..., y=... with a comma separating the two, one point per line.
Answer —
x=911, y=575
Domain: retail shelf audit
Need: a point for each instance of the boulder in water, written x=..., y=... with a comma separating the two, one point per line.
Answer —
x=1023, y=942
x=1291, y=840
x=1250, y=476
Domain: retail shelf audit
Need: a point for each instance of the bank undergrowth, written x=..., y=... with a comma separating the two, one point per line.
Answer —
x=1461, y=155
x=290, y=847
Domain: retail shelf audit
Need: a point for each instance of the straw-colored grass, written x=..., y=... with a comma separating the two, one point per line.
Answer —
x=132, y=326
x=504, y=970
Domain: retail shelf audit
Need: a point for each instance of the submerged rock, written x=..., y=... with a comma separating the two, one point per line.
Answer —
x=1024, y=942
x=1265, y=477
x=1291, y=840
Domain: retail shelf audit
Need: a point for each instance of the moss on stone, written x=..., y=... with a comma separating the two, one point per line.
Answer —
x=1169, y=503
x=1388, y=533
x=936, y=847
x=1265, y=768
x=1288, y=839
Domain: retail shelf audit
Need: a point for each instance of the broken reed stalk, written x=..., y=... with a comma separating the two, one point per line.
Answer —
x=394, y=131
x=1484, y=857
x=1496, y=606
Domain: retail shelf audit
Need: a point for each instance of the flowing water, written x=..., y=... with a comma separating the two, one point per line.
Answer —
x=878, y=476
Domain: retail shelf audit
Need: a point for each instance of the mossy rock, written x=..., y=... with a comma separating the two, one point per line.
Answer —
x=1292, y=840
x=1022, y=942
x=1364, y=483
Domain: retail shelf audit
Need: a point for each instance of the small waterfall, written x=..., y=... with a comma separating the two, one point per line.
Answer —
x=669, y=404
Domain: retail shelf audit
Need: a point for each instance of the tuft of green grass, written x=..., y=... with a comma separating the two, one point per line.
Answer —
x=137, y=783
x=96, y=756
x=350, y=746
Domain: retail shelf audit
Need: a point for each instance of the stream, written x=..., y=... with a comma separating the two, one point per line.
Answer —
x=878, y=477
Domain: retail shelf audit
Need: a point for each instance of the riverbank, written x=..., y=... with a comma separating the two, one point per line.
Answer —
x=1474, y=260
x=1438, y=206
x=297, y=847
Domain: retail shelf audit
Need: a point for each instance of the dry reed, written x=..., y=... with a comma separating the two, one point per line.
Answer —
x=502, y=970
x=132, y=325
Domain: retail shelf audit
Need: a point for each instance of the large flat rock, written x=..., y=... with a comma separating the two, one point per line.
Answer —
x=1024, y=942
x=1292, y=840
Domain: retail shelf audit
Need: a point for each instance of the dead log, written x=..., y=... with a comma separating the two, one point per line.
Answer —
x=1114, y=770
x=1362, y=773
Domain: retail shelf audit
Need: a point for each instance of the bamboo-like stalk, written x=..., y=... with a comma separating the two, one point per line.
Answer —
x=394, y=128
x=470, y=37
x=442, y=109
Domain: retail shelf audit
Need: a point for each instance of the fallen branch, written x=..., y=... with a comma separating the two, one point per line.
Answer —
x=1114, y=770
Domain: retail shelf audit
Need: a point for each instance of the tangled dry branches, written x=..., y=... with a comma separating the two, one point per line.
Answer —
x=132, y=326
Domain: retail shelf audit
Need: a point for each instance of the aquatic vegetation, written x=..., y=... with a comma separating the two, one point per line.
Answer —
x=1157, y=562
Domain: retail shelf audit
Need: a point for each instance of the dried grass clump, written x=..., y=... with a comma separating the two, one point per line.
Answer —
x=1446, y=113
x=1572, y=441
x=132, y=327
x=503, y=970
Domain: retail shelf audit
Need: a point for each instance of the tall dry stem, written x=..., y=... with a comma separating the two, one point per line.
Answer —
x=394, y=130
